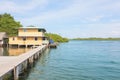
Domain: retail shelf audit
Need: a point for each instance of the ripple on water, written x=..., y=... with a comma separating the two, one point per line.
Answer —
x=79, y=60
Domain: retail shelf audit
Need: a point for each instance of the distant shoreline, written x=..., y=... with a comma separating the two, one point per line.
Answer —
x=108, y=39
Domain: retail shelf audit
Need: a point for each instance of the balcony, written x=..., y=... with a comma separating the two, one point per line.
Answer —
x=33, y=34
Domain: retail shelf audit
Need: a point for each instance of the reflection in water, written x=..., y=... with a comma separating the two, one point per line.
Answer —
x=43, y=61
x=12, y=51
x=79, y=60
x=44, y=57
x=17, y=51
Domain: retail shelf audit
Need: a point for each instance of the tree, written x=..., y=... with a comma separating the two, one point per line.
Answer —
x=56, y=37
x=8, y=24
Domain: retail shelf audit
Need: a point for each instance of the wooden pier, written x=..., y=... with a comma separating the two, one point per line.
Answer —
x=15, y=64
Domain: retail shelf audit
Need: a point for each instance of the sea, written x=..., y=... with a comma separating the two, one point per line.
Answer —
x=78, y=60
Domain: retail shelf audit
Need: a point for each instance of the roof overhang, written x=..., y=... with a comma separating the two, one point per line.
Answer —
x=33, y=28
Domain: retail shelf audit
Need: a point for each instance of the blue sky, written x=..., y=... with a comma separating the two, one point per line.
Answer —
x=69, y=18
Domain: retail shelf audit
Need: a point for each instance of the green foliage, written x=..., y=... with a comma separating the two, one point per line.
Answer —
x=56, y=37
x=8, y=24
x=94, y=38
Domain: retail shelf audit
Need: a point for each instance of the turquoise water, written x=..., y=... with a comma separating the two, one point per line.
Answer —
x=79, y=60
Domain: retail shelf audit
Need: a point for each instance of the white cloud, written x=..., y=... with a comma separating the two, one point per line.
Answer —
x=77, y=9
x=81, y=11
x=72, y=10
x=11, y=6
x=116, y=32
x=112, y=7
x=95, y=18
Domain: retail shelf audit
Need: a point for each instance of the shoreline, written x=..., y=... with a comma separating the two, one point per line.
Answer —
x=99, y=39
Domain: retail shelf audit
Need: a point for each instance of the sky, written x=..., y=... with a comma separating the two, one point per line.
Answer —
x=68, y=18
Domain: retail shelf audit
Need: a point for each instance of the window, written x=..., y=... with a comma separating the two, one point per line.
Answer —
x=36, y=38
x=43, y=38
x=24, y=30
x=24, y=38
x=13, y=38
x=39, y=30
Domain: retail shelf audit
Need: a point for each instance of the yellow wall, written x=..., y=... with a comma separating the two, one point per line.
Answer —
x=30, y=32
x=30, y=35
x=11, y=41
x=27, y=30
x=28, y=41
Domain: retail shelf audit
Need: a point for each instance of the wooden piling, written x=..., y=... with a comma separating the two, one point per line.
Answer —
x=1, y=78
x=16, y=73
x=25, y=65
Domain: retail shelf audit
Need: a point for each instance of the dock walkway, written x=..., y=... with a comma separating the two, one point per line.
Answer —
x=12, y=63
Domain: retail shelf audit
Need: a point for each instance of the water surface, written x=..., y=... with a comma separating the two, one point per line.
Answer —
x=79, y=60
x=5, y=51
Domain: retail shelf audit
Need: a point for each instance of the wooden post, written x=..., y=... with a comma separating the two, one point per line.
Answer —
x=31, y=59
x=39, y=51
x=26, y=46
x=38, y=55
x=25, y=65
x=16, y=73
x=1, y=78
x=7, y=45
x=35, y=57
x=10, y=45
x=18, y=46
